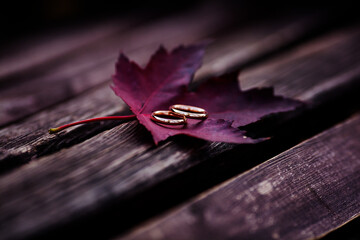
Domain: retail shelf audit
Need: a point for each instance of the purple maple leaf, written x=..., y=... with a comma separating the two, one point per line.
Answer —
x=164, y=82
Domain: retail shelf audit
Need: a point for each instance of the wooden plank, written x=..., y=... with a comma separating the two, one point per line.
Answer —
x=303, y=193
x=121, y=163
x=26, y=140
x=28, y=92
x=228, y=53
x=312, y=61
x=41, y=49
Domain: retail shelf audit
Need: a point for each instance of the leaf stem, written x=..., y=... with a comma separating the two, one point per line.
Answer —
x=58, y=129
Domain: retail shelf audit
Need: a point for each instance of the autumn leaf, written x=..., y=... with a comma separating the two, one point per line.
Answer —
x=165, y=81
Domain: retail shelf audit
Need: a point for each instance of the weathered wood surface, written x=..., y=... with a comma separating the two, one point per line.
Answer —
x=45, y=48
x=26, y=140
x=120, y=163
x=254, y=41
x=68, y=75
x=303, y=193
x=332, y=58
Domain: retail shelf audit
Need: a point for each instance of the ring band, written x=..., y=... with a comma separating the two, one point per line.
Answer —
x=156, y=117
x=189, y=111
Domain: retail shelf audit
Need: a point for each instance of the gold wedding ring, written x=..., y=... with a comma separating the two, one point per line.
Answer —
x=189, y=111
x=158, y=116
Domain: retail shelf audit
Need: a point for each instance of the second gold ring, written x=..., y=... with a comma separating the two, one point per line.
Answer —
x=189, y=111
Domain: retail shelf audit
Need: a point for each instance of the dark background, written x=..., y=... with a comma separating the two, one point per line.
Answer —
x=23, y=18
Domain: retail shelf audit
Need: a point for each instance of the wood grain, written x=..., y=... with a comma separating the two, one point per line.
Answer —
x=302, y=193
x=228, y=52
x=27, y=140
x=120, y=163
x=319, y=60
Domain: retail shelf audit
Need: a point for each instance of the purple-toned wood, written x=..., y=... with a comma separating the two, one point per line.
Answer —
x=303, y=193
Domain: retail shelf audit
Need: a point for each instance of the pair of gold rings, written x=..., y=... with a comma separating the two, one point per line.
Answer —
x=178, y=114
